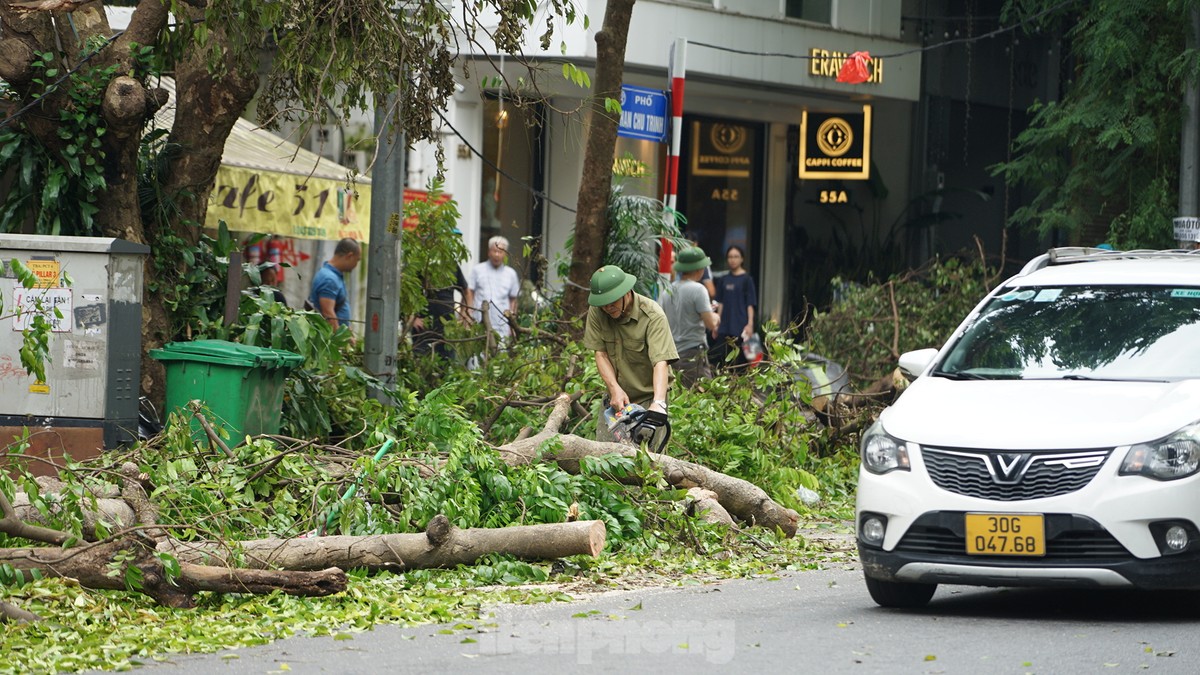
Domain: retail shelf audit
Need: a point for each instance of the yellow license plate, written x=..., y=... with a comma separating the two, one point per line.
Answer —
x=1006, y=534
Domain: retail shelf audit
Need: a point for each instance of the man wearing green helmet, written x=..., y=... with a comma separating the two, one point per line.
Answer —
x=690, y=313
x=632, y=341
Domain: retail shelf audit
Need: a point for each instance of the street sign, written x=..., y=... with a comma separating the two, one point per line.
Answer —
x=643, y=114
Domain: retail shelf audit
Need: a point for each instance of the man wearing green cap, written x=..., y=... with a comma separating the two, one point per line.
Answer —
x=632, y=340
x=689, y=311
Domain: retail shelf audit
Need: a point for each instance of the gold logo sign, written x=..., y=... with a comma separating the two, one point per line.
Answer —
x=834, y=136
x=723, y=151
x=836, y=145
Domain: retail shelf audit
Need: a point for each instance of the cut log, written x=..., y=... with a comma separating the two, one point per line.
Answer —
x=115, y=513
x=742, y=499
x=315, y=583
x=134, y=494
x=441, y=545
x=11, y=613
x=704, y=504
x=92, y=567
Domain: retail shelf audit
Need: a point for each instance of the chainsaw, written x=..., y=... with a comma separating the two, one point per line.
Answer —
x=637, y=425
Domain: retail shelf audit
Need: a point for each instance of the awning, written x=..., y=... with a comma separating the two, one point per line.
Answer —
x=270, y=185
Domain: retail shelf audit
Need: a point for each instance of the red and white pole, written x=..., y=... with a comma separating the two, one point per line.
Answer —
x=677, y=75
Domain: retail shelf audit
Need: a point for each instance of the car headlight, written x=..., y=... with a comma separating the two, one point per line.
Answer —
x=882, y=453
x=1176, y=456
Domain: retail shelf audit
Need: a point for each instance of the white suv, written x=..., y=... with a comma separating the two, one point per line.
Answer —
x=1053, y=441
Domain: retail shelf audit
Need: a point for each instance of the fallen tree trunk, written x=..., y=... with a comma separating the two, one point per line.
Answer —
x=742, y=499
x=314, y=583
x=10, y=612
x=92, y=566
x=114, y=513
x=703, y=504
x=115, y=507
x=441, y=545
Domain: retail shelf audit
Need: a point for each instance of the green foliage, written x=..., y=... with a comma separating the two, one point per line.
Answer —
x=324, y=396
x=579, y=78
x=348, y=54
x=57, y=188
x=755, y=425
x=191, y=279
x=432, y=250
x=35, y=340
x=637, y=225
x=1109, y=150
x=868, y=328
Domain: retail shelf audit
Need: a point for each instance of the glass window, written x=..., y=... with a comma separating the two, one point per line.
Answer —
x=818, y=11
x=720, y=186
x=636, y=166
x=1090, y=332
x=511, y=138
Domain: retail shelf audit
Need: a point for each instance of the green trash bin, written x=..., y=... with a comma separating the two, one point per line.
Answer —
x=241, y=385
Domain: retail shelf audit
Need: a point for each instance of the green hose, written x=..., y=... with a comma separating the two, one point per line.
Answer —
x=336, y=509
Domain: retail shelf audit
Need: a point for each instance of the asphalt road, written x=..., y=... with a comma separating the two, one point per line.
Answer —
x=800, y=622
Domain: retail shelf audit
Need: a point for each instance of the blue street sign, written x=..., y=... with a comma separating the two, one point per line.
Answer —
x=643, y=114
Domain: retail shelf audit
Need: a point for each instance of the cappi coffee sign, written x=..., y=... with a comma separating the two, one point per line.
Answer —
x=836, y=145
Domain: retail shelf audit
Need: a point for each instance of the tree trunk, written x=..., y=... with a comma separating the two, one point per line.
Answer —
x=91, y=566
x=315, y=583
x=740, y=498
x=10, y=612
x=213, y=104
x=441, y=545
x=591, y=222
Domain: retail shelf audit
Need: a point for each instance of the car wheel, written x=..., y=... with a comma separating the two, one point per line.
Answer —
x=899, y=593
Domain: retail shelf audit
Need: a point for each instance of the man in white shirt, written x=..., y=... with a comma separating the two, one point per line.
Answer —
x=494, y=287
x=689, y=312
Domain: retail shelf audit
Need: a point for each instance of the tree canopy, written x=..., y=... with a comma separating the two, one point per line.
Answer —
x=1108, y=151
x=77, y=95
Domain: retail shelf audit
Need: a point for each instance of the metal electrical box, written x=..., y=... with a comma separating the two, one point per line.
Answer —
x=89, y=399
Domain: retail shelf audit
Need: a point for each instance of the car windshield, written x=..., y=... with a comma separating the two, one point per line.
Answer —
x=1082, y=332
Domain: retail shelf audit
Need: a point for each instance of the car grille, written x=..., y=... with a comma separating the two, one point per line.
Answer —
x=1067, y=538
x=1012, y=476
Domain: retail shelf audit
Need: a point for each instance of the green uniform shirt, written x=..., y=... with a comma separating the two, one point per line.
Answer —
x=634, y=344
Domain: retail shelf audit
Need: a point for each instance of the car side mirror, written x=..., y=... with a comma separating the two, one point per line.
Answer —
x=912, y=364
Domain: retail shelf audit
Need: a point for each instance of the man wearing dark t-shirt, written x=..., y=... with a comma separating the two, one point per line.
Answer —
x=429, y=332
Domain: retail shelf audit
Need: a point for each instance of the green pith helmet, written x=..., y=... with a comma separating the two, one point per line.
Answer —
x=609, y=283
x=691, y=259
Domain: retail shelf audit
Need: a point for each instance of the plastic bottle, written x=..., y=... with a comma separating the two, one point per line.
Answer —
x=752, y=349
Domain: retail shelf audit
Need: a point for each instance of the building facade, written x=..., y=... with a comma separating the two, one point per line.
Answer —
x=941, y=105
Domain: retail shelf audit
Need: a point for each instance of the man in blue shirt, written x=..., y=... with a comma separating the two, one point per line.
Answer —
x=328, y=294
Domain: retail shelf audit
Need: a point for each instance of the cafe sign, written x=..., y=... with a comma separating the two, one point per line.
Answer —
x=835, y=145
x=253, y=200
x=721, y=149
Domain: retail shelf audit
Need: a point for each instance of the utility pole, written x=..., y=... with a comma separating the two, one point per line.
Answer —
x=1187, y=231
x=383, y=259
